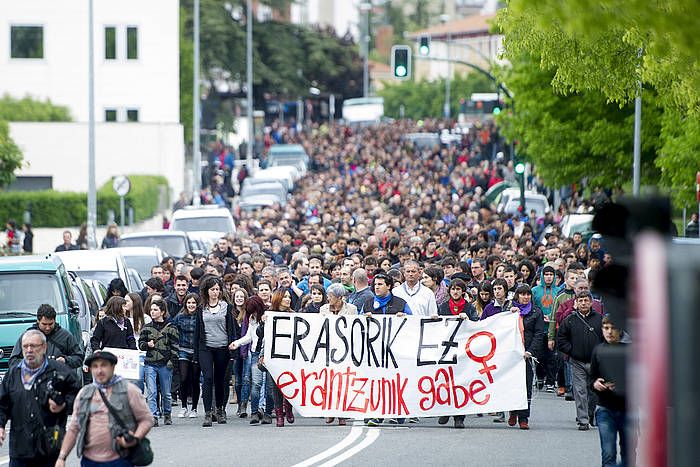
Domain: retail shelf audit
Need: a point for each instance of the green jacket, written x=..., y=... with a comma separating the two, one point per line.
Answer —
x=564, y=295
x=166, y=340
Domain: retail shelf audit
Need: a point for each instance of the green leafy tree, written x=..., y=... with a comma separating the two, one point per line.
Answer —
x=10, y=156
x=425, y=99
x=29, y=109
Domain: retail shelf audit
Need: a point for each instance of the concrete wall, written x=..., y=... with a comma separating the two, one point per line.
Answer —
x=149, y=83
x=61, y=150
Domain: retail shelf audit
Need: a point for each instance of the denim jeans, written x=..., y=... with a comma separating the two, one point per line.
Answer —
x=165, y=376
x=241, y=370
x=85, y=462
x=257, y=377
x=611, y=423
x=568, y=375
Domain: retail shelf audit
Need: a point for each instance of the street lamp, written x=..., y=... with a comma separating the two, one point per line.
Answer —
x=444, y=18
x=365, y=8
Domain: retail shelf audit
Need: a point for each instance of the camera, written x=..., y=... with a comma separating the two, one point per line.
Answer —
x=128, y=437
x=55, y=389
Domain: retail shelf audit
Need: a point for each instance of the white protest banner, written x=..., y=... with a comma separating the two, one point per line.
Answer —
x=128, y=362
x=389, y=367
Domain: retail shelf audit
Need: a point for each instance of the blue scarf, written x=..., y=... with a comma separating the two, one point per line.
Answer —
x=115, y=379
x=380, y=303
x=32, y=373
x=524, y=309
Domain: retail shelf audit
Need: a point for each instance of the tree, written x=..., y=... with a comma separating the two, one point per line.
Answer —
x=10, y=156
x=28, y=109
x=425, y=99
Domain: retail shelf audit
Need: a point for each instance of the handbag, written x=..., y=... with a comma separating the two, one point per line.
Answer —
x=141, y=454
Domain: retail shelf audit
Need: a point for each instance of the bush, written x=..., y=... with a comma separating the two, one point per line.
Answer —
x=67, y=209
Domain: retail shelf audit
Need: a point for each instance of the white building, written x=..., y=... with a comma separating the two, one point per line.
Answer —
x=44, y=54
x=343, y=15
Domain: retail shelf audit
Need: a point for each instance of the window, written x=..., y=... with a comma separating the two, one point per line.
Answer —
x=110, y=42
x=132, y=115
x=26, y=42
x=110, y=115
x=132, y=43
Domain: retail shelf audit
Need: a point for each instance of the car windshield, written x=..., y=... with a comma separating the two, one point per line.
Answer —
x=530, y=204
x=103, y=276
x=23, y=293
x=210, y=224
x=172, y=245
x=142, y=264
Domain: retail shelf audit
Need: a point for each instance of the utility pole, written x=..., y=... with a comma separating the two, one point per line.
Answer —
x=196, y=151
x=365, y=8
x=637, y=161
x=449, y=77
x=92, y=189
x=249, y=84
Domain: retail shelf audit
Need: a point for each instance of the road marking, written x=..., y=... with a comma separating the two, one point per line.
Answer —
x=355, y=433
x=371, y=437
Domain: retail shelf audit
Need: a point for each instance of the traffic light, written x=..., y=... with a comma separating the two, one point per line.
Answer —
x=401, y=61
x=424, y=48
x=520, y=171
x=496, y=110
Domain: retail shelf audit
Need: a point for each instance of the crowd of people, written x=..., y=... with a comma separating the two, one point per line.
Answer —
x=378, y=227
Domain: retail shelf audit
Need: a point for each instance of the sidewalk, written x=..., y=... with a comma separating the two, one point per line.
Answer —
x=47, y=239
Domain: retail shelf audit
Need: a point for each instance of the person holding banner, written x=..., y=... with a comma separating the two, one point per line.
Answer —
x=484, y=296
x=532, y=328
x=215, y=330
x=383, y=301
x=337, y=305
x=500, y=303
x=457, y=304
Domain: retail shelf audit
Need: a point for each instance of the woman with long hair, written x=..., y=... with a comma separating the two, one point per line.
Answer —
x=186, y=322
x=281, y=302
x=216, y=330
x=135, y=314
x=255, y=309
x=116, y=288
x=114, y=330
x=527, y=272
x=241, y=364
x=483, y=297
x=111, y=239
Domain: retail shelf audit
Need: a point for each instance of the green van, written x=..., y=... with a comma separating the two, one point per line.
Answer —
x=25, y=283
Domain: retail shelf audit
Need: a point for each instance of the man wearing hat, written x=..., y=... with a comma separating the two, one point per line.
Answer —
x=98, y=435
x=36, y=395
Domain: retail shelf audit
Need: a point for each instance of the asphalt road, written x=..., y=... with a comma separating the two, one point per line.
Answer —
x=552, y=440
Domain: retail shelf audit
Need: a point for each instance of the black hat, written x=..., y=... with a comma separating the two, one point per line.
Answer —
x=101, y=354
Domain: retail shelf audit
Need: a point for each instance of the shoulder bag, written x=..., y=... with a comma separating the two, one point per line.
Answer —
x=141, y=454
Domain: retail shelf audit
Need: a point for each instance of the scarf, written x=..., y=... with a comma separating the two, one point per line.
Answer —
x=349, y=288
x=115, y=379
x=25, y=371
x=524, y=309
x=455, y=307
x=380, y=303
x=121, y=322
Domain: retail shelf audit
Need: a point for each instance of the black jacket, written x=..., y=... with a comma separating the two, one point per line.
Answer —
x=395, y=305
x=608, y=362
x=173, y=305
x=468, y=309
x=533, y=331
x=60, y=343
x=575, y=337
x=233, y=329
x=108, y=334
x=29, y=409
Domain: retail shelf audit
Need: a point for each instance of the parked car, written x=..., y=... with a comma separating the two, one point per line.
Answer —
x=141, y=258
x=572, y=223
x=269, y=188
x=203, y=218
x=99, y=291
x=255, y=202
x=174, y=243
x=423, y=140
x=285, y=174
x=88, y=305
x=102, y=265
x=288, y=154
x=25, y=283
x=533, y=201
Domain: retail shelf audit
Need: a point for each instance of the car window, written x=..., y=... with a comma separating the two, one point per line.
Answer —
x=24, y=293
x=171, y=245
x=211, y=224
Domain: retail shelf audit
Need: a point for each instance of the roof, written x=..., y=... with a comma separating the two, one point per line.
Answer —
x=156, y=233
x=29, y=263
x=470, y=26
x=190, y=212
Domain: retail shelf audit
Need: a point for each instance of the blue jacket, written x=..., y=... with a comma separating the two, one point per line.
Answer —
x=185, y=325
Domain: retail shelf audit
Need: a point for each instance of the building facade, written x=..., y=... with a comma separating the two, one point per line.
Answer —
x=44, y=54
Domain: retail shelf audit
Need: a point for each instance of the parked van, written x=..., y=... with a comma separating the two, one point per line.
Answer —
x=25, y=283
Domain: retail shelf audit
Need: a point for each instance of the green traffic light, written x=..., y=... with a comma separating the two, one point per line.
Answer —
x=424, y=50
x=496, y=110
x=520, y=168
x=400, y=71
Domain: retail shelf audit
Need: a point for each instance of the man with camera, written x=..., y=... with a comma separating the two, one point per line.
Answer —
x=60, y=343
x=110, y=417
x=36, y=395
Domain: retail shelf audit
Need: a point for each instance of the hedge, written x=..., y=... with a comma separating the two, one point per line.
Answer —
x=62, y=209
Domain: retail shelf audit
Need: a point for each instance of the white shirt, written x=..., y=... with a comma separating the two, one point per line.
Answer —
x=420, y=299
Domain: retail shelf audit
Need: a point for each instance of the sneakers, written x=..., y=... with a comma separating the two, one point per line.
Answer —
x=393, y=421
x=221, y=416
x=569, y=397
x=183, y=413
x=459, y=423
x=266, y=419
x=550, y=388
x=167, y=419
x=583, y=427
x=255, y=418
x=155, y=422
x=523, y=425
x=207, y=419
x=500, y=419
x=443, y=420
x=193, y=413
x=414, y=420
x=373, y=422
x=512, y=419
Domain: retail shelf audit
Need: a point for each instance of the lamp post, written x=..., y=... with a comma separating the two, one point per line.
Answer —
x=249, y=84
x=196, y=152
x=92, y=189
x=445, y=18
x=365, y=9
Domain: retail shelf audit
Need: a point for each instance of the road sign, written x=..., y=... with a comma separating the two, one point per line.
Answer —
x=121, y=185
